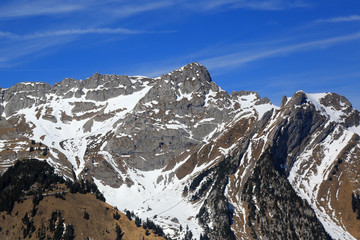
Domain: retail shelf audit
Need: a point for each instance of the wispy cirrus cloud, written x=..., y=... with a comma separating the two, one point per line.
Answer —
x=242, y=57
x=270, y=4
x=121, y=9
x=23, y=8
x=67, y=32
x=16, y=48
x=350, y=18
x=113, y=9
x=19, y=52
x=7, y=35
x=266, y=5
x=128, y=10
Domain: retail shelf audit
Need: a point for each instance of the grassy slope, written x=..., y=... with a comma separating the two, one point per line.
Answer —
x=100, y=225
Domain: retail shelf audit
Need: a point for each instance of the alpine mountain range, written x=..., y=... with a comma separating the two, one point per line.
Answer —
x=181, y=151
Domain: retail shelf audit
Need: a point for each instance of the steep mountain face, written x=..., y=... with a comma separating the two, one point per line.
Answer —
x=182, y=151
x=270, y=200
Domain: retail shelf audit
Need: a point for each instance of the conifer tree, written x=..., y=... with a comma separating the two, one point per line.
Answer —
x=119, y=232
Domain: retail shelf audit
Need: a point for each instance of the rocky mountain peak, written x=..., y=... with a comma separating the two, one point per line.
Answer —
x=107, y=81
x=191, y=75
x=331, y=100
x=336, y=108
x=338, y=102
x=189, y=71
x=298, y=98
x=333, y=106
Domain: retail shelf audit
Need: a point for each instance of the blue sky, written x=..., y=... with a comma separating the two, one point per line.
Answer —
x=275, y=47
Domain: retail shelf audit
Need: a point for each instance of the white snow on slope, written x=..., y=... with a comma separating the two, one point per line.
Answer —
x=69, y=137
x=263, y=108
x=331, y=112
x=248, y=102
x=161, y=201
x=307, y=184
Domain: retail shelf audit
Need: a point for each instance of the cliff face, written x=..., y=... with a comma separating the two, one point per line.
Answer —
x=182, y=149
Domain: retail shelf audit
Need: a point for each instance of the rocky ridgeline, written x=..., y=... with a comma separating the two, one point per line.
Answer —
x=98, y=88
x=310, y=138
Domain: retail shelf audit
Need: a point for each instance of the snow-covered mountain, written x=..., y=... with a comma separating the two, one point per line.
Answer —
x=180, y=150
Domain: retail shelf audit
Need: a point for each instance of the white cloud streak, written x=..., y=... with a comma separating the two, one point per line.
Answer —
x=270, y=5
x=22, y=8
x=121, y=9
x=16, y=48
x=67, y=32
x=240, y=58
x=112, y=8
x=351, y=18
x=130, y=10
x=265, y=5
x=7, y=35
x=15, y=54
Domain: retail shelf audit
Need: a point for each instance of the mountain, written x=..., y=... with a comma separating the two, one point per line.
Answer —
x=181, y=151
